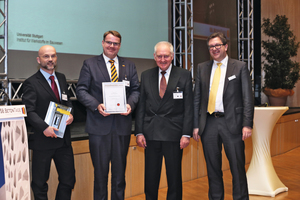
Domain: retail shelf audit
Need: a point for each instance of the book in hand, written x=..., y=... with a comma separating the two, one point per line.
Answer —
x=57, y=116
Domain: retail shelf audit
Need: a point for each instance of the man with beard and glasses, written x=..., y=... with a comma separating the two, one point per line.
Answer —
x=44, y=86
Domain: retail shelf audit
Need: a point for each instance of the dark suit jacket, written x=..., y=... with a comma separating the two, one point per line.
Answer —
x=237, y=96
x=165, y=119
x=37, y=95
x=89, y=93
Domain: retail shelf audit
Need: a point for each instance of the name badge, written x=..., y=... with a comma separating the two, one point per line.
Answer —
x=231, y=77
x=127, y=83
x=178, y=95
x=64, y=97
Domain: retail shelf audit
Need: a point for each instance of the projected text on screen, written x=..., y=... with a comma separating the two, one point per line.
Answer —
x=77, y=27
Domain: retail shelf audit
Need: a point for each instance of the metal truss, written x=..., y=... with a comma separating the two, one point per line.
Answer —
x=17, y=92
x=246, y=33
x=3, y=50
x=183, y=35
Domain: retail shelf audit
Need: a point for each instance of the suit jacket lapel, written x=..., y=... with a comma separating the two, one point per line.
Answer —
x=61, y=86
x=121, y=69
x=102, y=66
x=230, y=68
x=153, y=82
x=59, y=78
x=173, y=80
x=207, y=75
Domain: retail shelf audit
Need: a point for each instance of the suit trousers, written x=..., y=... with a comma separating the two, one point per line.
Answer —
x=64, y=162
x=154, y=153
x=214, y=135
x=105, y=149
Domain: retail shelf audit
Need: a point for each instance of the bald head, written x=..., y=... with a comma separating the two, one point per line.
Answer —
x=46, y=48
x=47, y=58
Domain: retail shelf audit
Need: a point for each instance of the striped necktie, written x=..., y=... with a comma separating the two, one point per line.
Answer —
x=214, y=89
x=114, y=74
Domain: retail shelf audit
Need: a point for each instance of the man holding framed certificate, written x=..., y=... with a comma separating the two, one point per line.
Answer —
x=107, y=84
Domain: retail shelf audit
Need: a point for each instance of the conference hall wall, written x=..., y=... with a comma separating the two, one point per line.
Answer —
x=290, y=8
x=219, y=13
x=75, y=28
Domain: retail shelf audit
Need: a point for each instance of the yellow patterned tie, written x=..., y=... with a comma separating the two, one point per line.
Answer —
x=214, y=89
x=114, y=74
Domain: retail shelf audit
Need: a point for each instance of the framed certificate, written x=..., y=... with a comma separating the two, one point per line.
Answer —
x=114, y=97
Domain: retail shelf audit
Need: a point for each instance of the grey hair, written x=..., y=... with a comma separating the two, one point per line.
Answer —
x=166, y=43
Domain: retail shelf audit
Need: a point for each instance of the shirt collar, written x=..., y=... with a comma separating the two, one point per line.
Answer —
x=47, y=75
x=167, y=71
x=106, y=59
x=224, y=61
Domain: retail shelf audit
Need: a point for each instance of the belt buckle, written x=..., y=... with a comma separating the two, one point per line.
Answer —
x=216, y=115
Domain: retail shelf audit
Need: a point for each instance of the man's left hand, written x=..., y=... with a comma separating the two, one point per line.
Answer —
x=128, y=110
x=247, y=132
x=70, y=119
x=184, y=142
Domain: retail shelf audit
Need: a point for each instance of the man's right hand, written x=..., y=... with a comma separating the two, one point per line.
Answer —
x=141, y=141
x=49, y=132
x=195, y=134
x=101, y=109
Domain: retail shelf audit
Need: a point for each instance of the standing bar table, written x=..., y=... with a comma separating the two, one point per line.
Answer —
x=261, y=175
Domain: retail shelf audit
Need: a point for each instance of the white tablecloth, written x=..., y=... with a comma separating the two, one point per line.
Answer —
x=261, y=176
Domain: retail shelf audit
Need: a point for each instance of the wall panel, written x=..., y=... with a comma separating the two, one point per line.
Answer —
x=290, y=8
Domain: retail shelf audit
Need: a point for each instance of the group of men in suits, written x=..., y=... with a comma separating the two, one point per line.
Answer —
x=167, y=110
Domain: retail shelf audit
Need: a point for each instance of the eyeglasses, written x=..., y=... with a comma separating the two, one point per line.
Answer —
x=217, y=46
x=49, y=56
x=114, y=43
x=162, y=56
